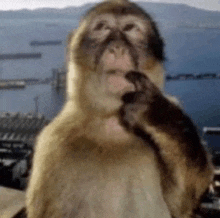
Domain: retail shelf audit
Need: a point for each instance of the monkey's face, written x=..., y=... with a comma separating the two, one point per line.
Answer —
x=116, y=45
x=114, y=40
x=117, y=41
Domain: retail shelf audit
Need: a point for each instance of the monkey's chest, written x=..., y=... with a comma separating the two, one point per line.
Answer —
x=119, y=190
x=108, y=132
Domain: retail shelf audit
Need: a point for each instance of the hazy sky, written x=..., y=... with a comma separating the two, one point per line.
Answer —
x=32, y=4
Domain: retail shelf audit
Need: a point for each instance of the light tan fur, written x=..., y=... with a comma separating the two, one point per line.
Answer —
x=86, y=164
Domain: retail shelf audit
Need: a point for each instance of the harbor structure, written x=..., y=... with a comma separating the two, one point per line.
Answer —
x=17, y=136
x=59, y=78
x=20, y=127
x=193, y=76
x=20, y=56
x=46, y=43
x=12, y=84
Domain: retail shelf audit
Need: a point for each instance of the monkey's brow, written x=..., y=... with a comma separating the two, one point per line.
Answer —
x=106, y=18
x=119, y=20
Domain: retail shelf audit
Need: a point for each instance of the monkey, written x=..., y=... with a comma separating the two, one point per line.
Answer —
x=120, y=147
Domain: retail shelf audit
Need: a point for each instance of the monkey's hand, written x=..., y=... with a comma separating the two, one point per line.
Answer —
x=138, y=104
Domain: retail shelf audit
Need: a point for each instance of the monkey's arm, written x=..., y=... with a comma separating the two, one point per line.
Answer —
x=171, y=133
x=147, y=111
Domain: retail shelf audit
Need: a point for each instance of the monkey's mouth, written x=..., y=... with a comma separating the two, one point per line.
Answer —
x=117, y=82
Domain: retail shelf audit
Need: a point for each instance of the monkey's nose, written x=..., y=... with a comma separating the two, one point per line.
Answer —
x=117, y=50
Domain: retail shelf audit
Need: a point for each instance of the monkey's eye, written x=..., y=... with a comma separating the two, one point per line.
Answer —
x=129, y=27
x=101, y=26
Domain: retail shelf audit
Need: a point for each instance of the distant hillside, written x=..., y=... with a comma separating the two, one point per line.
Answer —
x=178, y=14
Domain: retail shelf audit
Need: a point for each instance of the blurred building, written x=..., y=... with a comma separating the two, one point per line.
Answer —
x=17, y=136
x=59, y=78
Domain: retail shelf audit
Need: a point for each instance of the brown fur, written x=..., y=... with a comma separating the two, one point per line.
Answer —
x=86, y=162
x=186, y=169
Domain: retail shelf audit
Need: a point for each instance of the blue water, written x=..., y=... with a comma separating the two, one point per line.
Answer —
x=49, y=102
x=187, y=50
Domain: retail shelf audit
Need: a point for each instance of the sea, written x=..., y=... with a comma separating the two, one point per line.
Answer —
x=188, y=50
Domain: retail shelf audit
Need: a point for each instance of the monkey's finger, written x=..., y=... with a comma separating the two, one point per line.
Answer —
x=132, y=97
x=138, y=79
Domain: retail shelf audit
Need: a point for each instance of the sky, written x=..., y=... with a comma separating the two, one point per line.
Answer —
x=33, y=4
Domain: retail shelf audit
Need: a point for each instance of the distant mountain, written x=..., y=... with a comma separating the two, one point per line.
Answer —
x=178, y=14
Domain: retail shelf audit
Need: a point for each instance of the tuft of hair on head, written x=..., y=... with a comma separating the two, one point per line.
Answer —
x=117, y=1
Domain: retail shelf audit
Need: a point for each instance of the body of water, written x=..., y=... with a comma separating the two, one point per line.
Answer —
x=188, y=51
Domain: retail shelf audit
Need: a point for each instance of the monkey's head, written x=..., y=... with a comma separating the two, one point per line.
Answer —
x=114, y=37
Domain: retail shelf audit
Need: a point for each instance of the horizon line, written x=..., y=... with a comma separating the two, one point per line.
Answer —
x=82, y=5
